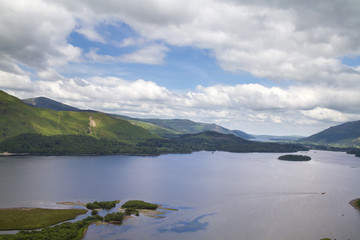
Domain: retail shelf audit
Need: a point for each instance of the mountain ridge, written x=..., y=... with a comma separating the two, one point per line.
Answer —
x=161, y=127
x=345, y=134
x=19, y=118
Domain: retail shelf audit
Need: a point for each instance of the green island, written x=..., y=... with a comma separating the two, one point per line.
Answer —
x=292, y=157
x=356, y=203
x=138, y=204
x=102, y=205
x=35, y=218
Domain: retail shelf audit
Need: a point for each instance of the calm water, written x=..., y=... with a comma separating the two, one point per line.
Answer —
x=219, y=196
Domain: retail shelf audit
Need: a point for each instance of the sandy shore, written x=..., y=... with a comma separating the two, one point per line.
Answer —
x=353, y=203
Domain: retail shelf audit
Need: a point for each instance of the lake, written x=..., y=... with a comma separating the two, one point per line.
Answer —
x=219, y=195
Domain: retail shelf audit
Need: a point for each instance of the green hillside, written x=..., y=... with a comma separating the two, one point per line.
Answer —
x=214, y=141
x=161, y=127
x=346, y=134
x=185, y=126
x=19, y=118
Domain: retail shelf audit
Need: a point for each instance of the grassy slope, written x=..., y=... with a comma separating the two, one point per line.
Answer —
x=17, y=118
x=34, y=218
x=184, y=126
x=347, y=134
x=154, y=128
x=161, y=127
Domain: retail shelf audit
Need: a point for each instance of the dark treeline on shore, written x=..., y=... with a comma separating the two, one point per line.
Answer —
x=37, y=144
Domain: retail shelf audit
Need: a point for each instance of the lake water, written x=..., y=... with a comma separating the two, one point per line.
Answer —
x=219, y=195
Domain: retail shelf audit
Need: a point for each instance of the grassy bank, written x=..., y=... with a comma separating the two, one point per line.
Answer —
x=67, y=230
x=34, y=218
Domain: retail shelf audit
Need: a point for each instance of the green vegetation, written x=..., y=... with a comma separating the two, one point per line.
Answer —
x=19, y=118
x=40, y=131
x=343, y=135
x=74, y=145
x=102, y=205
x=170, y=128
x=25, y=219
x=138, y=204
x=357, y=203
x=70, y=231
x=184, y=126
x=214, y=141
x=38, y=144
x=129, y=211
x=291, y=157
x=116, y=217
x=34, y=218
x=356, y=152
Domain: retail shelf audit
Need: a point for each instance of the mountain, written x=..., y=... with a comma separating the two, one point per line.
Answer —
x=19, y=118
x=346, y=134
x=43, y=102
x=41, y=131
x=161, y=127
x=184, y=126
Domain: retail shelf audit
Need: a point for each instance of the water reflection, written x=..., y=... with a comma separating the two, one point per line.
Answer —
x=188, y=226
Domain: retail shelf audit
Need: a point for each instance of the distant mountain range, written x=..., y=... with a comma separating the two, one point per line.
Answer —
x=31, y=129
x=163, y=127
x=346, y=134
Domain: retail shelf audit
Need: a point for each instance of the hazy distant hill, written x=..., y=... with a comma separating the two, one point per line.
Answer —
x=184, y=126
x=43, y=102
x=346, y=134
x=19, y=118
x=271, y=138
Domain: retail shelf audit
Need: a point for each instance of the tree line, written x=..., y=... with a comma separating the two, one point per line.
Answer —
x=37, y=144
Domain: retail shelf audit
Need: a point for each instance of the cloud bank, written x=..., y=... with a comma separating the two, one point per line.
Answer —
x=298, y=50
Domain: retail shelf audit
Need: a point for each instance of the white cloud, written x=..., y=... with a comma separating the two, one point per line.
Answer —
x=325, y=114
x=274, y=39
x=49, y=74
x=269, y=39
x=277, y=40
x=12, y=81
x=275, y=109
x=152, y=54
x=34, y=33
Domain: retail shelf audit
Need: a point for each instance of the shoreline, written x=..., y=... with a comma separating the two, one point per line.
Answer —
x=353, y=203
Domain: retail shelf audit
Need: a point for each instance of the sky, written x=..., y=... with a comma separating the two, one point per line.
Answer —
x=278, y=67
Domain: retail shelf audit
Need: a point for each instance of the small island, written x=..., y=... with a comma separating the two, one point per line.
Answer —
x=356, y=203
x=292, y=157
